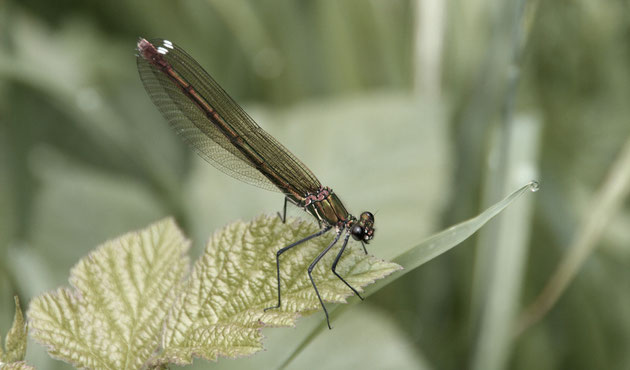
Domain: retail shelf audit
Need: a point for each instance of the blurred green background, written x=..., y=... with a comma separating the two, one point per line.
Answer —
x=424, y=112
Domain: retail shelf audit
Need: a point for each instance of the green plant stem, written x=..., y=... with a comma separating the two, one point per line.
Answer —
x=502, y=251
x=605, y=205
x=502, y=245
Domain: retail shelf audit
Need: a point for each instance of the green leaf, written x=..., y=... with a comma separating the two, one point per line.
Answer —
x=221, y=313
x=446, y=239
x=129, y=306
x=15, y=347
x=121, y=292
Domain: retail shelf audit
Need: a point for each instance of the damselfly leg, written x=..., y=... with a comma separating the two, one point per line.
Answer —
x=283, y=217
x=310, y=274
x=334, y=265
x=279, y=252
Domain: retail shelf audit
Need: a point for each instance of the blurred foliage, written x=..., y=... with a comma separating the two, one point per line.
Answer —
x=84, y=156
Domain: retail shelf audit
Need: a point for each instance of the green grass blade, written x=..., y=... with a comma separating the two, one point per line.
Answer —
x=428, y=249
x=447, y=239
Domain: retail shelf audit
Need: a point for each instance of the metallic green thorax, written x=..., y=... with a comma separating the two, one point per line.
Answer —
x=328, y=210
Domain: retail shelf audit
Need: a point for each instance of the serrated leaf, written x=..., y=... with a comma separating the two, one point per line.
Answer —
x=112, y=315
x=220, y=312
x=120, y=294
x=15, y=342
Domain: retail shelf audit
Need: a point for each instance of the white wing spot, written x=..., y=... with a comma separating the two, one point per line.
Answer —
x=161, y=50
x=168, y=44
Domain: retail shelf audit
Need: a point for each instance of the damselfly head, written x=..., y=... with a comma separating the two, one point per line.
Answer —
x=363, y=229
x=145, y=48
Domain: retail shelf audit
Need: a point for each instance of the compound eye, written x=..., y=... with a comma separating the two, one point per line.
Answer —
x=357, y=232
x=367, y=216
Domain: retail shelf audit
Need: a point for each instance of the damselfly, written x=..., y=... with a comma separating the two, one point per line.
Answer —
x=220, y=131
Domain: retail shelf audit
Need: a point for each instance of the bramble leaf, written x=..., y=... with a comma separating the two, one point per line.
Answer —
x=129, y=306
x=15, y=342
x=220, y=312
x=112, y=315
